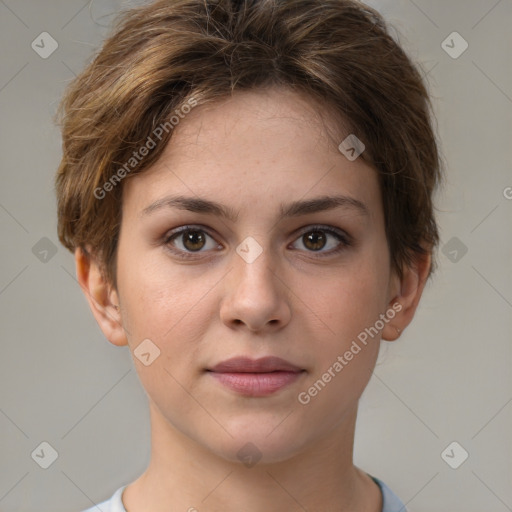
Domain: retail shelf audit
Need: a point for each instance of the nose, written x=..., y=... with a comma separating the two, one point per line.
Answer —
x=256, y=294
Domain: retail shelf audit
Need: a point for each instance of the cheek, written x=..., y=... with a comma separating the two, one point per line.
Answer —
x=169, y=305
x=350, y=306
x=146, y=283
x=347, y=344
x=168, y=311
x=354, y=298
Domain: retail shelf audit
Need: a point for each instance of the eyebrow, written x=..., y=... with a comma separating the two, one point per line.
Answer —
x=294, y=209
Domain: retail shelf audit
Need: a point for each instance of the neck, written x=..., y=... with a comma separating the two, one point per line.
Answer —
x=183, y=475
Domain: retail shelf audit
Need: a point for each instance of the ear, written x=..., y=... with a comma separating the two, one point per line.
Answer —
x=406, y=298
x=101, y=296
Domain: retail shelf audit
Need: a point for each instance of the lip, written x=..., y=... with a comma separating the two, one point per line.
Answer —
x=248, y=365
x=256, y=377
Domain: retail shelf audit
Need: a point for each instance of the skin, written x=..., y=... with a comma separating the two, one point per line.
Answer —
x=251, y=153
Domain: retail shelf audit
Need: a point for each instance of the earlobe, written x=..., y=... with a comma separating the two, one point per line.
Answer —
x=406, y=301
x=101, y=297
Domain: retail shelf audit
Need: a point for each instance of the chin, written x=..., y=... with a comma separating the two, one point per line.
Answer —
x=255, y=444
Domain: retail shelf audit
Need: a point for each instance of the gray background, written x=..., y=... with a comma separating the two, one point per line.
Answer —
x=447, y=379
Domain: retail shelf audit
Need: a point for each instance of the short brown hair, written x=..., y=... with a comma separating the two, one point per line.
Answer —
x=161, y=55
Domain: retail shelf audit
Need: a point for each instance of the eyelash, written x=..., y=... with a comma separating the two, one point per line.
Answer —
x=345, y=240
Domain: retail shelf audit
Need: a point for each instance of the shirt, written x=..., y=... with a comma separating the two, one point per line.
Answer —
x=390, y=501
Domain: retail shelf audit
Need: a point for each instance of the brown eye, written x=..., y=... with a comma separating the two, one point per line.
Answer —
x=187, y=240
x=316, y=238
x=193, y=240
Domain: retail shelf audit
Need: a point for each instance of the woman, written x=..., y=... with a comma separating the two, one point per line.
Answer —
x=247, y=189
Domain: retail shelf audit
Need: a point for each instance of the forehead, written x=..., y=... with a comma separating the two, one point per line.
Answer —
x=252, y=150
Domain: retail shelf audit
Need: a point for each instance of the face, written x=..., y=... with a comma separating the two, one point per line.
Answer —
x=301, y=286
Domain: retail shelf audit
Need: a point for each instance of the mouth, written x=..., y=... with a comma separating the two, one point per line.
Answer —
x=256, y=377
